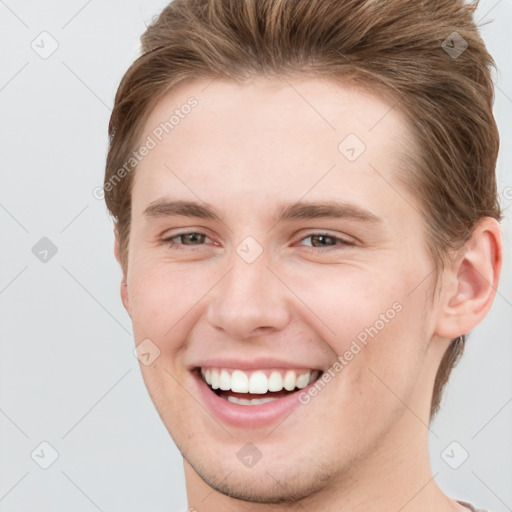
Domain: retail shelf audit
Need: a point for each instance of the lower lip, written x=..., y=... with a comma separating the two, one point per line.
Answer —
x=248, y=416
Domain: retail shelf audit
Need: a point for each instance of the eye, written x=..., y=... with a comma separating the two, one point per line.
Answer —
x=191, y=239
x=194, y=239
x=319, y=240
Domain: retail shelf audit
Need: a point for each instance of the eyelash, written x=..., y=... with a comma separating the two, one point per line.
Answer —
x=192, y=247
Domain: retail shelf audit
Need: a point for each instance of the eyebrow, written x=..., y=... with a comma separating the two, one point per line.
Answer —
x=290, y=211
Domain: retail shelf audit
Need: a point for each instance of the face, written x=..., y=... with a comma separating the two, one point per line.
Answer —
x=278, y=272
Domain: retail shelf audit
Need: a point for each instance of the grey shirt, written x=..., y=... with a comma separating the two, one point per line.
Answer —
x=471, y=507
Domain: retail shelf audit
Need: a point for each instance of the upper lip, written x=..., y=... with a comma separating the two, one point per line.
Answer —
x=254, y=364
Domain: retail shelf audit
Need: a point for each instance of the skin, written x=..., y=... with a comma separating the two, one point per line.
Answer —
x=362, y=443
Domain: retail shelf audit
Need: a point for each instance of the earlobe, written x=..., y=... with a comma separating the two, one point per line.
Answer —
x=472, y=281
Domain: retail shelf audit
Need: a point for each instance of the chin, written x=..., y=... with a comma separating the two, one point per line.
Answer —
x=270, y=484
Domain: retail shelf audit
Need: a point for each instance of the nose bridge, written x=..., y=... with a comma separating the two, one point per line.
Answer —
x=250, y=297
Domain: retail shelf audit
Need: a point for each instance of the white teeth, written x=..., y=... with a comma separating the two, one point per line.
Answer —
x=275, y=382
x=215, y=379
x=252, y=401
x=225, y=380
x=239, y=382
x=257, y=382
x=289, y=380
x=302, y=380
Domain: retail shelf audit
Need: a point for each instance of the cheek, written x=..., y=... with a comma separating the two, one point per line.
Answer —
x=348, y=302
x=163, y=297
x=375, y=326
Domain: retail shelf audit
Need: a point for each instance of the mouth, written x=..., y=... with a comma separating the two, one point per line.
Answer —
x=256, y=387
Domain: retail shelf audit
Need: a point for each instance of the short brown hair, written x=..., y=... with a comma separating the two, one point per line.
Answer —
x=396, y=47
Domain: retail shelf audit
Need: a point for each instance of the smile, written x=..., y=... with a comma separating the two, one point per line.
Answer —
x=252, y=395
x=237, y=386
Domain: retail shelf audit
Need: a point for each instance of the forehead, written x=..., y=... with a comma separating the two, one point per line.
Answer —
x=306, y=108
x=269, y=136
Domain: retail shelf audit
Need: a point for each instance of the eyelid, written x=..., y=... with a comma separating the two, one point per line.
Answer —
x=340, y=241
x=344, y=241
x=169, y=239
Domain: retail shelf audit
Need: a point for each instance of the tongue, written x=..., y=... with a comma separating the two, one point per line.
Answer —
x=249, y=396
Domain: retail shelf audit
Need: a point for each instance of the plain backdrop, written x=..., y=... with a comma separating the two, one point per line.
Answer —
x=68, y=376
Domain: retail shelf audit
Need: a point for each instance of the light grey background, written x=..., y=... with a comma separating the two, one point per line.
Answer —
x=67, y=372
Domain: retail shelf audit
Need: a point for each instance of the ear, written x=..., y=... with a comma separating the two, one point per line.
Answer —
x=124, y=284
x=470, y=283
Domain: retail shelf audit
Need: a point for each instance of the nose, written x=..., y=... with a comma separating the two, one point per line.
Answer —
x=250, y=300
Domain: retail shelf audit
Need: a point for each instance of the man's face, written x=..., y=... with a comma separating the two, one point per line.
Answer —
x=312, y=250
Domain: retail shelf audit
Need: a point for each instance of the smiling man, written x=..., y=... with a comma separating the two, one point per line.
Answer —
x=307, y=222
